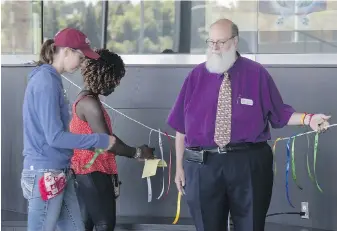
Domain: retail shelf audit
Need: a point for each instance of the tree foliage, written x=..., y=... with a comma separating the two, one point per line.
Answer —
x=129, y=30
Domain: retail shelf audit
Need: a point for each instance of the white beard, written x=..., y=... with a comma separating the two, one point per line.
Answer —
x=220, y=62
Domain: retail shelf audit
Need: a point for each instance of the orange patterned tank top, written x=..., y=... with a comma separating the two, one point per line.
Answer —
x=105, y=162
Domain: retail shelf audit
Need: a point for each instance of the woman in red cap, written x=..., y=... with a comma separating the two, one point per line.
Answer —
x=47, y=181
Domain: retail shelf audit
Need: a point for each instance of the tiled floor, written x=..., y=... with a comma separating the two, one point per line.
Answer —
x=11, y=221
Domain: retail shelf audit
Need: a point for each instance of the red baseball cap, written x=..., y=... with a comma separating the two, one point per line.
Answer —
x=75, y=39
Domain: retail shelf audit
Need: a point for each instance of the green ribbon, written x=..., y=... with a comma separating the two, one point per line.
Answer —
x=315, y=159
x=97, y=153
x=293, y=167
x=308, y=165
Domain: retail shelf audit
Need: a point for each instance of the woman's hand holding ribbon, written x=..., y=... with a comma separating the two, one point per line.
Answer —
x=145, y=152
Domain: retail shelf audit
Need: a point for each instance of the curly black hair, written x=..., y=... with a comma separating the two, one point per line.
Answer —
x=105, y=73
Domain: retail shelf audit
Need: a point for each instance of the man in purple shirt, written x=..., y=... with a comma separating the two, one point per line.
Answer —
x=237, y=176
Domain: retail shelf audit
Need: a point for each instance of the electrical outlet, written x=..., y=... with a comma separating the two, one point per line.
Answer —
x=305, y=209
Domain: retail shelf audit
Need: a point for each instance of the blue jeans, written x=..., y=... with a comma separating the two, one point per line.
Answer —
x=61, y=212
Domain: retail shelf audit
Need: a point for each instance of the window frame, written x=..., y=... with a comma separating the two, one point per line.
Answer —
x=187, y=59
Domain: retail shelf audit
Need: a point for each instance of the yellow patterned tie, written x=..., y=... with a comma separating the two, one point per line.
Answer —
x=222, y=134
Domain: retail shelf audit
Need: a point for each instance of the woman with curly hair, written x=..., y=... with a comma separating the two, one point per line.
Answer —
x=98, y=185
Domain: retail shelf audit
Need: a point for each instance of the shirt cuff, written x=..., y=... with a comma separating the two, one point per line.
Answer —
x=102, y=141
x=287, y=113
x=176, y=126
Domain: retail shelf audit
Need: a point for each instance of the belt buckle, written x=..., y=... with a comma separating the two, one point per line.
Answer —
x=221, y=150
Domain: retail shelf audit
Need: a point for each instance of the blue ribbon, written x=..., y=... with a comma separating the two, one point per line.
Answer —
x=287, y=172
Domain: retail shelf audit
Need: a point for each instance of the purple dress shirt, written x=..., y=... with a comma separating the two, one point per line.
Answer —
x=256, y=102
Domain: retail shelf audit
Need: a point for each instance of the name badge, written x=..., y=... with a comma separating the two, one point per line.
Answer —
x=247, y=102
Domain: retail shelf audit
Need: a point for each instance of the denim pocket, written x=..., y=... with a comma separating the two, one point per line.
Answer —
x=27, y=184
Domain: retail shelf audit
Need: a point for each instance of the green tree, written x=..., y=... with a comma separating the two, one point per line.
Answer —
x=20, y=26
x=93, y=24
x=124, y=24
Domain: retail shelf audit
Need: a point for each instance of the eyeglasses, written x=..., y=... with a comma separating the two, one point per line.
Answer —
x=220, y=43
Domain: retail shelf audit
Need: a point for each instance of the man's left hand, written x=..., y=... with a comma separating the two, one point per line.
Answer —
x=319, y=122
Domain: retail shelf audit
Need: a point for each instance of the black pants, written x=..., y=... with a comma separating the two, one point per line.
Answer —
x=240, y=182
x=96, y=197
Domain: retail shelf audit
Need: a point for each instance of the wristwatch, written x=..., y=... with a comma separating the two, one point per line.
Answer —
x=138, y=153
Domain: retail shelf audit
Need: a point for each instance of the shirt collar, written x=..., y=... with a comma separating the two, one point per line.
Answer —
x=235, y=65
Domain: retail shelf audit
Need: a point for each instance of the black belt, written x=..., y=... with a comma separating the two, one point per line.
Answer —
x=199, y=154
x=228, y=148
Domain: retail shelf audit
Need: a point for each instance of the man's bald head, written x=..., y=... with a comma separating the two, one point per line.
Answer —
x=227, y=27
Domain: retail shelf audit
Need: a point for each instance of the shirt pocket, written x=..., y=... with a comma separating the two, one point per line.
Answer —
x=244, y=108
x=27, y=184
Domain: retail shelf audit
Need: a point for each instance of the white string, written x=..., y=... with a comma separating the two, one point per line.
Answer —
x=149, y=143
x=160, y=141
x=229, y=222
x=154, y=130
x=302, y=134
x=148, y=179
x=108, y=106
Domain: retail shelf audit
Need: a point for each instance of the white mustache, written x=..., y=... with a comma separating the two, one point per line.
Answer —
x=220, y=62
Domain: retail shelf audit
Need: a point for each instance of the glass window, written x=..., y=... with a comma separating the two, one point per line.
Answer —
x=242, y=13
x=301, y=26
x=20, y=27
x=141, y=27
x=147, y=27
x=83, y=15
x=166, y=26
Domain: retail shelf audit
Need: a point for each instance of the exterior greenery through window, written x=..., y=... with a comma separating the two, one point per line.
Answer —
x=150, y=27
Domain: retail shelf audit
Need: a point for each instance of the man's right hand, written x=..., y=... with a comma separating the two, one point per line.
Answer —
x=180, y=179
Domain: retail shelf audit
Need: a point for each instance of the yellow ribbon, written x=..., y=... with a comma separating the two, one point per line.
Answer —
x=178, y=209
x=274, y=146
